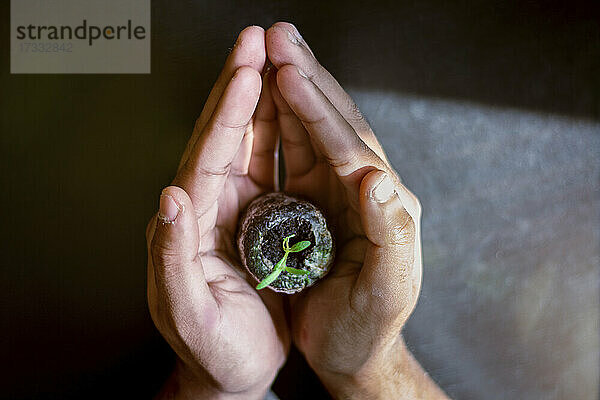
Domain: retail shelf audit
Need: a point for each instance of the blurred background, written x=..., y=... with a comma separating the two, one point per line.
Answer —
x=490, y=111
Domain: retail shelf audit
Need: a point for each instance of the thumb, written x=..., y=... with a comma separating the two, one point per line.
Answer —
x=385, y=284
x=176, y=266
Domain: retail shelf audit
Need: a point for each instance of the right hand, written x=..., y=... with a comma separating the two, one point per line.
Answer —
x=348, y=325
x=230, y=339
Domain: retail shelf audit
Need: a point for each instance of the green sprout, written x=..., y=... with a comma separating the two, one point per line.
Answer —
x=280, y=266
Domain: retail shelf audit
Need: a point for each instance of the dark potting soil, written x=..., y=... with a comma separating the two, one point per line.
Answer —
x=272, y=247
x=263, y=227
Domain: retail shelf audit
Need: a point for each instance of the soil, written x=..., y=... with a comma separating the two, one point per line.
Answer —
x=264, y=225
x=272, y=243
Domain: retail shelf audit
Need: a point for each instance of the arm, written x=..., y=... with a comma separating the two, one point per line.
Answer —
x=182, y=386
x=398, y=373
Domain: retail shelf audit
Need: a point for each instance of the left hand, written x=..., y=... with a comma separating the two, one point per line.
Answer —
x=348, y=325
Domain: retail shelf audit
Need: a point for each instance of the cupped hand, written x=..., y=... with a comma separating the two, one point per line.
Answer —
x=230, y=339
x=347, y=325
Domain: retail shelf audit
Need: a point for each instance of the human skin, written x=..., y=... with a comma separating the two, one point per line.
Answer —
x=230, y=339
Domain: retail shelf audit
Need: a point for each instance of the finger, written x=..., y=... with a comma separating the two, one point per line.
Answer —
x=385, y=286
x=204, y=173
x=177, y=269
x=285, y=45
x=241, y=161
x=335, y=138
x=248, y=50
x=261, y=166
x=151, y=281
x=297, y=147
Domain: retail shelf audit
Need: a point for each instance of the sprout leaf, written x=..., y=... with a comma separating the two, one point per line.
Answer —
x=299, y=246
x=296, y=271
x=280, y=266
x=269, y=279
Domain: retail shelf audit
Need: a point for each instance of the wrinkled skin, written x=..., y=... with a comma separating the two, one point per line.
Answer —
x=227, y=335
x=230, y=339
x=333, y=158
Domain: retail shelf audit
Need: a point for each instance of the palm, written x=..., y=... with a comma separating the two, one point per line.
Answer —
x=253, y=322
x=321, y=313
x=317, y=168
x=229, y=162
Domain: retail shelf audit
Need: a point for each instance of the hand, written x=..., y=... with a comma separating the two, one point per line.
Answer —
x=348, y=325
x=230, y=339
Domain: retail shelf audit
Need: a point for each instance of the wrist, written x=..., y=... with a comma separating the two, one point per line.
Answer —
x=393, y=373
x=368, y=381
x=185, y=385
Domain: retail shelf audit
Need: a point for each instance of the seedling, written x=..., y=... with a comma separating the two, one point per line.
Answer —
x=280, y=266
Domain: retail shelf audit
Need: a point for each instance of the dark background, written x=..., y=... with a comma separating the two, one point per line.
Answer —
x=489, y=110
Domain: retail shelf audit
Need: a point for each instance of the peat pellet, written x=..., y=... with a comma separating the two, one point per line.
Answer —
x=265, y=224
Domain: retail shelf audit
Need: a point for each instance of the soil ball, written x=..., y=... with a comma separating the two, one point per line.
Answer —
x=262, y=229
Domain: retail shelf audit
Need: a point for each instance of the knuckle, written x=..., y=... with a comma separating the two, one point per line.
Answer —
x=314, y=121
x=191, y=170
x=361, y=156
x=403, y=231
x=339, y=163
x=221, y=123
x=316, y=72
x=219, y=170
x=164, y=255
x=355, y=116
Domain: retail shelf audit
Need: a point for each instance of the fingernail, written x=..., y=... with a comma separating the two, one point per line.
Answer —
x=293, y=37
x=168, y=209
x=383, y=190
x=298, y=39
x=297, y=34
x=301, y=73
